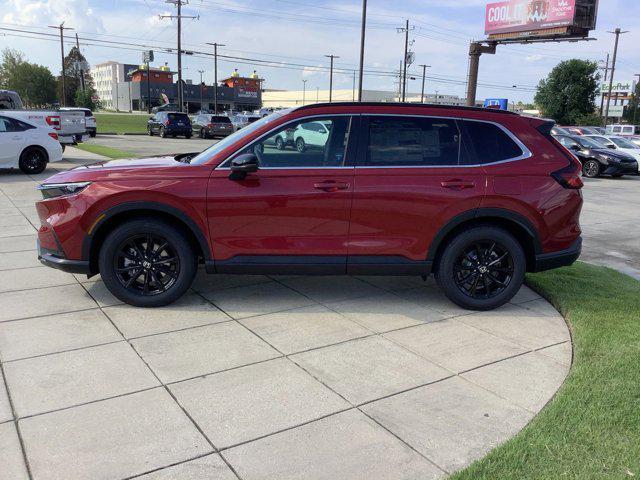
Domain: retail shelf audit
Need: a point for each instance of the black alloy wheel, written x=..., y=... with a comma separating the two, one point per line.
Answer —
x=483, y=270
x=146, y=264
x=33, y=161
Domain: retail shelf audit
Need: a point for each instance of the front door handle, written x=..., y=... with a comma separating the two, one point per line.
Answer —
x=458, y=184
x=331, y=186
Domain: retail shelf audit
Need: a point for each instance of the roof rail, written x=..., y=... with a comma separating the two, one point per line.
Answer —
x=404, y=105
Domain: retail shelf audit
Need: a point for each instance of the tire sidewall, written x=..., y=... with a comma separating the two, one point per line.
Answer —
x=454, y=248
x=301, y=145
x=180, y=243
x=585, y=170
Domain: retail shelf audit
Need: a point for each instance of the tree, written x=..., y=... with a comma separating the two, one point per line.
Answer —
x=569, y=92
x=632, y=112
x=76, y=70
x=35, y=83
x=85, y=98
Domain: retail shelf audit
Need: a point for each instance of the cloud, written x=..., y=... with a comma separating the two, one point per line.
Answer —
x=534, y=58
x=75, y=13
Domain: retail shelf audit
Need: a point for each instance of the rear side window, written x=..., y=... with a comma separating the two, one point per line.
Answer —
x=220, y=120
x=487, y=143
x=88, y=113
x=178, y=117
x=412, y=142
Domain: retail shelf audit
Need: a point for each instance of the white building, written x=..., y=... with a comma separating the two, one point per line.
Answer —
x=292, y=98
x=107, y=76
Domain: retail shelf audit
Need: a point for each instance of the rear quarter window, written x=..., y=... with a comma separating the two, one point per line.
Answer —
x=220, y=120
x=486, y=143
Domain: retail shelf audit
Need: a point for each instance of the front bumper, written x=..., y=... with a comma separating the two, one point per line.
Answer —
x=622, y=168
x=563, y=258
x=56, y=260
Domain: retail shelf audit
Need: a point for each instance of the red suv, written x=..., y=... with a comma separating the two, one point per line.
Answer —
x=477, y=197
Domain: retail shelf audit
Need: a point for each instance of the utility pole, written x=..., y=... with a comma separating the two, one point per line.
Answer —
x=353, y=96
x=304, y=91
x=317, y=94
x=617, y=33
x=179, y=17
x=215, y=74
x=201, y=89
x=82, y=86
x=362, y=42
x=606, y=74
x=635, y=97
x=332, y=57
x=475, y=50
x=406, y=31
x=62, y=28
x=424, y=78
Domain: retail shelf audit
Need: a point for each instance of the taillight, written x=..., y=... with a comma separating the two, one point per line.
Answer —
x=53, y=135
x=569, y=177
x=166, y=122
x=211, y=125
x=53, y=121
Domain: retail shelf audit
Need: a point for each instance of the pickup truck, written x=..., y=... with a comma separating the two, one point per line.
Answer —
x=69, y=125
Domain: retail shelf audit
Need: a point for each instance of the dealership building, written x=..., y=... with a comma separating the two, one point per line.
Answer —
x=127, y=88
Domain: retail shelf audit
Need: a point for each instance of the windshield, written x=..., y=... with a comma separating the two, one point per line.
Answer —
x=235, y=137
x=587, y=142
x=624, y=143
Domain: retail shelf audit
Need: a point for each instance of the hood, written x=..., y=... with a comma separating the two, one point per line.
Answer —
x=122, y=169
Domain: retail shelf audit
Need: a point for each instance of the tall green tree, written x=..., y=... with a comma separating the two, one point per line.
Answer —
x=632, y=112
x=569, y=92
x=35, y=83
x=76, y=70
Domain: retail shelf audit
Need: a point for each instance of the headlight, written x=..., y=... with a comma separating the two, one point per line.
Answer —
x=53, y=190
x=609, y=158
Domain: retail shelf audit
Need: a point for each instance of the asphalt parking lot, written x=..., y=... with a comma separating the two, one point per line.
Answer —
x=257, y=377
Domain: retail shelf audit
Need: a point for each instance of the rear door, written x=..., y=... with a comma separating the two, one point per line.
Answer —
x=408, y=184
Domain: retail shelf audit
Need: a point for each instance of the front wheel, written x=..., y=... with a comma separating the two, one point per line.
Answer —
x=150, y=131
x=33, y=161
x=147, y=263
x=301, y=146
x=279, y=143
x=591, y=169
x=481, y=268
x=163, y=132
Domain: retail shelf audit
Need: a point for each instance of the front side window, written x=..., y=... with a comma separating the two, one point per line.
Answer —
x=412, y=142
x=488, y=143
x=624, y=143
x=305, y=144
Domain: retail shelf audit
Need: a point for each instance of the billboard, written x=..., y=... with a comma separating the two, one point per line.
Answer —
x=519, y=18
x=497, y=103
x=624, y=88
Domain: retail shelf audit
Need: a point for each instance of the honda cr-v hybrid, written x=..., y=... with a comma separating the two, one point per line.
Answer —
x=477, y=197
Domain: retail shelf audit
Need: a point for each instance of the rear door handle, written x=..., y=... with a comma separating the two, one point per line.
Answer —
x=331, y=186
x=458, y=184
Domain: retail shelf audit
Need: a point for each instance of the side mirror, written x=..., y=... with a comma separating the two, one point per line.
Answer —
x=576, y=148
x=243, y=165
x=612, y=146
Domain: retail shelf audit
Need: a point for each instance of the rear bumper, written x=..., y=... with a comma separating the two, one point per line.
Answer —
x=563, y=258
x=56, y=260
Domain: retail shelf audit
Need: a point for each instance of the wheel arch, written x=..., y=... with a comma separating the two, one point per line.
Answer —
x=113, y=217
x=516, y=224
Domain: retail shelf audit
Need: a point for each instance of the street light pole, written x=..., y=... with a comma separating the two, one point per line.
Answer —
x=62, y=28
x=332, y=57
x=617, y=33
x=362, y=43
x=606, y=74
x=215, y=74
x=201, y=91
x=304, y=91
x=424, y=78
x=406, y=53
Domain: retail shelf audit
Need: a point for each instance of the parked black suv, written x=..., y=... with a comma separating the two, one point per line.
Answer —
x=598, y=160
x=170, y=124
x=207, y=125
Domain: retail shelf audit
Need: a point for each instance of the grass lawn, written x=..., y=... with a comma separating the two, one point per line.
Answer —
x=591, y=430
x=121, y=123
x=104, y=151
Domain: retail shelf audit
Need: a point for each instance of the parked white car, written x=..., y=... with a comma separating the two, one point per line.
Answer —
x=622, y=144
x=621, y=130
x=27, y=146
x=306, y=135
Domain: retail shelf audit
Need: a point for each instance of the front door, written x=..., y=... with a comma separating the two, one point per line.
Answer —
x=293, y=212
x=12, y=139
x=409, y=184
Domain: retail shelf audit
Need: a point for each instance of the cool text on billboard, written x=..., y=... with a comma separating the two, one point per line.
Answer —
x=513, y=16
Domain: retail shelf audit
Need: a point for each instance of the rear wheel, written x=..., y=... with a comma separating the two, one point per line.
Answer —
x=591, y=169
x=188, y=136
x=147, y=263
x=279, y=143
x=33, y=161
x=481, y=268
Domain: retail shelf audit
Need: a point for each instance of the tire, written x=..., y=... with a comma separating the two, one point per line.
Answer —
x=468, y=273
x=150, y=131
x=33, y=160
x=301, y=146
x=93, y=134
x=157, y=283
x=188, y=137
x=591, y=169
x=618, y=175
x=280, y=143
x=202, y=134
x=163, y=132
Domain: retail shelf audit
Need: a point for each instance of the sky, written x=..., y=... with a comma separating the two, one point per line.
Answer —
x=280, y=33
